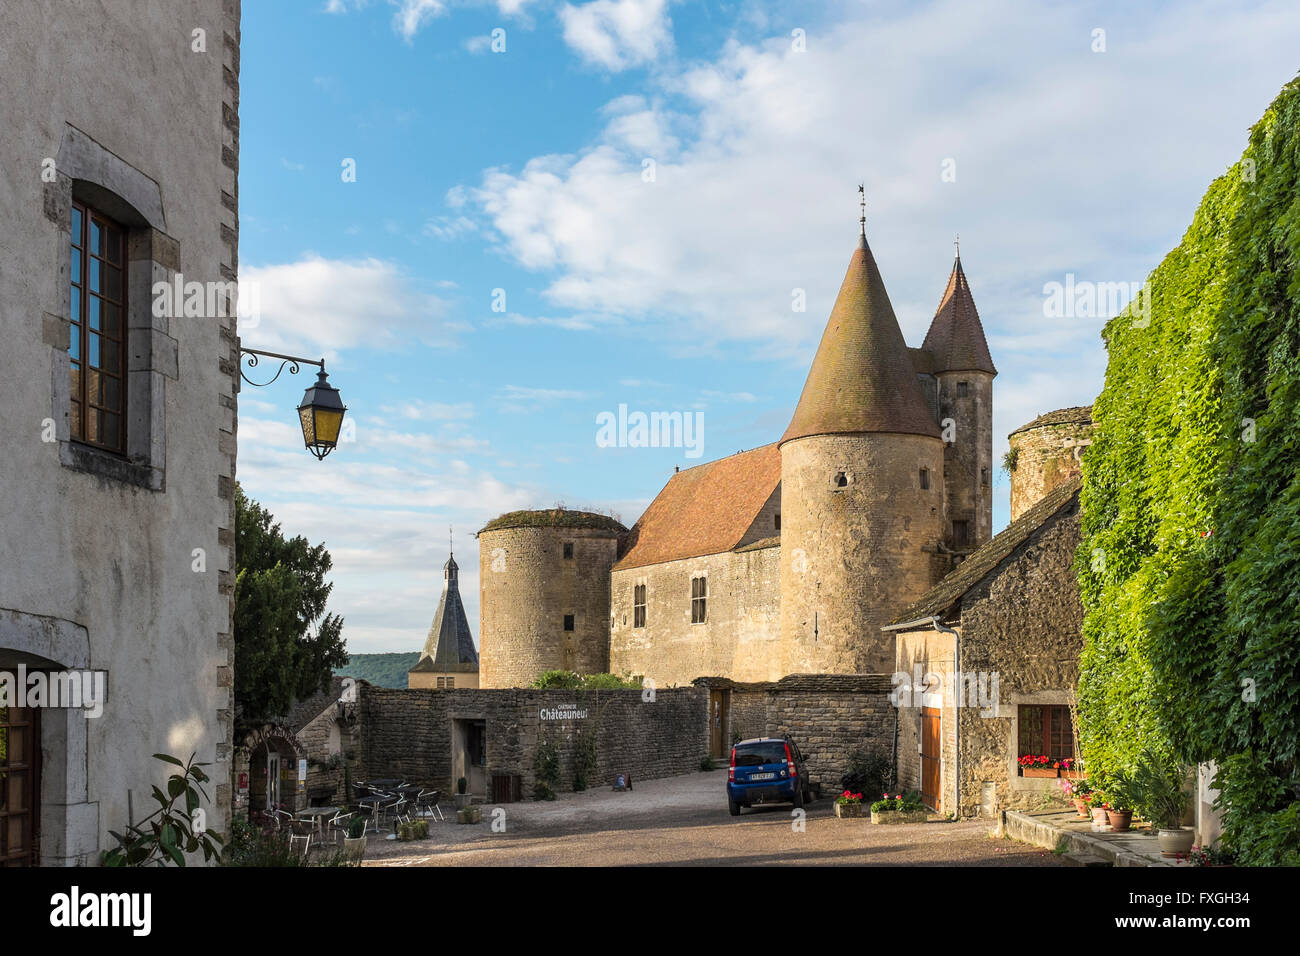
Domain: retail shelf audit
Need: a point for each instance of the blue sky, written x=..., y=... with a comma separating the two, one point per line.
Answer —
x=526, y=171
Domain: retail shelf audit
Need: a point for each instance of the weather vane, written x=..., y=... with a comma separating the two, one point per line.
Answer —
x=957, y=244
x=862, y=201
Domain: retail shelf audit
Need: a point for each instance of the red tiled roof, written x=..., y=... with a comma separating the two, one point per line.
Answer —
x=862, y=379
x=956, y=337
x=704, y=510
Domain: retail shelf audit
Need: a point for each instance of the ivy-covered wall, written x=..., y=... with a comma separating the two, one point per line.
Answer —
x=1189, y=565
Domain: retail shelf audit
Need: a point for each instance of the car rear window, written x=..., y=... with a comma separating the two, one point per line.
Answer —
x=752, y=755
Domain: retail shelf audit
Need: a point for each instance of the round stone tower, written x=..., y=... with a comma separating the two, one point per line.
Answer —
x=544, y=594
x=1046, y=453
x=862, y=497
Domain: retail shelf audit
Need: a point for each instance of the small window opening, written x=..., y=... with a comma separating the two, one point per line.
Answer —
x=568, y=622
x=568, y=550
x=962, y=389
x=925, y=479
x=841, y=480
x=776, y=521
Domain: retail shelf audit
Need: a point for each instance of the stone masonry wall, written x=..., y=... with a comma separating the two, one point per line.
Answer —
x=739, y=638
x=527, y=586
x=408, y=733
x=1046, y=457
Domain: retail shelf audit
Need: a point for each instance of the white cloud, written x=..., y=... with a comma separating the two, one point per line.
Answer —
x=411, y=15
x=326, y=305
x=524, y=393
x=618, y=34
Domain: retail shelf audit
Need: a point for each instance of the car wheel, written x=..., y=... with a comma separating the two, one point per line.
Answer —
x=734, y=807
x=798, y=798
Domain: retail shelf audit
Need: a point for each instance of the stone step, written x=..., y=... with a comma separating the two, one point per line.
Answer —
x=1082, y=858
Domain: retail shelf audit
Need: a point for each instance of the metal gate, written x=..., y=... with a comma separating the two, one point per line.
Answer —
x=930, y=757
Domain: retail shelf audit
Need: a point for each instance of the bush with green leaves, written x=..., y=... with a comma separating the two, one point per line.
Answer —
x=170, y=832
x=1189, y=567
x=584, y=760
x=1160, y=792
x=869, y=771
x=570, y=680
x=546, y=770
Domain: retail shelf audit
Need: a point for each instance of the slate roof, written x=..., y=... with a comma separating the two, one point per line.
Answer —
x=1080, y=414
x=704, y=510
x=862, y=378
x=450, y=645
x=956, y=337
x=980, y=563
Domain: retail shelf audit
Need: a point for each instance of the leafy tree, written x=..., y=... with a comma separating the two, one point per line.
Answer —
x=286, y=645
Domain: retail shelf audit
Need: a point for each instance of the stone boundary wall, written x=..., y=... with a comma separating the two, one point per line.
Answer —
x=828, y=716
x=409, y=733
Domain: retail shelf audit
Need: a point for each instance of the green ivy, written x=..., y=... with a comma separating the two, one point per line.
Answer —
x=1189, y=567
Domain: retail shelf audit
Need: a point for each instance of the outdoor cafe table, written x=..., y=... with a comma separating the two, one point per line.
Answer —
x=316, y=816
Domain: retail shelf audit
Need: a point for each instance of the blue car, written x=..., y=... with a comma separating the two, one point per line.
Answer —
x=766, y=770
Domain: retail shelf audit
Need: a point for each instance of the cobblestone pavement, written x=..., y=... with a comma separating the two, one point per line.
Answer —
x=684, y=821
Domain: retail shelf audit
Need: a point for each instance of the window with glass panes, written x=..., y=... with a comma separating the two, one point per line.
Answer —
x=699, y=599
x=638, y=605
x=1046, y=729
x=97, y=345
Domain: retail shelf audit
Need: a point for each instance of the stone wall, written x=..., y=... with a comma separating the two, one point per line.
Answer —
x=1047, y=456
x=738, y=639
x=828, y=715
x=853, y=556
x=527, y=586
x=409, y=733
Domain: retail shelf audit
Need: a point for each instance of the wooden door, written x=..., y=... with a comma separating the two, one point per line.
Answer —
x=930, y=757
x=20, y=751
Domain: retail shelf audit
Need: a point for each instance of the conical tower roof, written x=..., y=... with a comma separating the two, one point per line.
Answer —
x=862, y=378
x=956, y=337
x=450, y=641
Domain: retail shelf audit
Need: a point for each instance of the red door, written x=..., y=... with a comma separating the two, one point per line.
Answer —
x=930, y=757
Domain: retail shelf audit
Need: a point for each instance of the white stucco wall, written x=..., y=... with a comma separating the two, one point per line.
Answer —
x=95, y=570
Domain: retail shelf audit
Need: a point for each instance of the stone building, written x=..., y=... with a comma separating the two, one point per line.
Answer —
x=987, y=663
x=787, y=558
x=121, y=151
x=449, y=659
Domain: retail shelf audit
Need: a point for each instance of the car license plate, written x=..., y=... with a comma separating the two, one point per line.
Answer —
x=762, y=776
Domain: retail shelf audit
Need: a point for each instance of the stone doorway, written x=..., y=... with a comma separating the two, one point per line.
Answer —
x=469, y=755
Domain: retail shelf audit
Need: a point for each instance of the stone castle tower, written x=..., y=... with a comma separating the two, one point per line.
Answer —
x=862, y=487
x=1046, y=453
x=784, y=559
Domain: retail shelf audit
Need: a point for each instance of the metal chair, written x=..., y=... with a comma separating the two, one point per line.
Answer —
x=427, y=801
x=337, y=827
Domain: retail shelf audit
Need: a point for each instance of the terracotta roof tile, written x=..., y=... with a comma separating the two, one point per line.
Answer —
x=704, y=510
x=956, y=337
x=862, y=378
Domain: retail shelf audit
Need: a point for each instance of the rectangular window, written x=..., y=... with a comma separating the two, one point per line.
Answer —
x=960, y=534
x=962, y=389
x=699, y=600
x=451, y=682
x=568, y=622
x=638, y=605
x=568, y=550
x=925, y=479
x=442, y=682
x=97, y=345
x=776, y=522
x=1045, y=730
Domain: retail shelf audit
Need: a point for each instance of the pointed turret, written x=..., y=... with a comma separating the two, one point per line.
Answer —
x=956, y=337
x=862, y=378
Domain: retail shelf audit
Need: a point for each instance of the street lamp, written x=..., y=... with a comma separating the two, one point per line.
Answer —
x=321, y=411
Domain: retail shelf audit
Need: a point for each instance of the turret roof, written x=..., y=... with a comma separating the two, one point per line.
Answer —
x=862, y=378
x=956, y=337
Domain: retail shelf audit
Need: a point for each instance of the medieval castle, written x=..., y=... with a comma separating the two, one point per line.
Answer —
x=785, y=559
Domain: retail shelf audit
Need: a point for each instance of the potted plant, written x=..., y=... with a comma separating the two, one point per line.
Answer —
x=1158, y=787
x=1121, y=795
x=462, y=798
x=1077, y=792
x=901, y=808
x=354, y=844
x=1071, y=768
x=469, y=815
x=1037, y=765
x=1097, y=807
x=848, y=805
x=1214, y=855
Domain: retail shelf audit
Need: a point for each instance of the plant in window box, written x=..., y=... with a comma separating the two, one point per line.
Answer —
x=901, y=808
x=848, y=804
x=1071, y=769
x=1037, y=765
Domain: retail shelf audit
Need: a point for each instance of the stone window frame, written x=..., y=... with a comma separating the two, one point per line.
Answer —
x=702, y=598
x=91, y=174
x=1010, y=709
x=639, y=603
x=924, y=478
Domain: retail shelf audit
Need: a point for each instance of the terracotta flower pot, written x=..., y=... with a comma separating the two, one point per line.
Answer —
x=1119, y=819
x=1080, y=807
x=1099, y=817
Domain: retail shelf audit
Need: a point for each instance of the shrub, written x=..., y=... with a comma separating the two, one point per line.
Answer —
x=546, y=768
x=584, y=761
x=869, y=771
x=706, y=762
